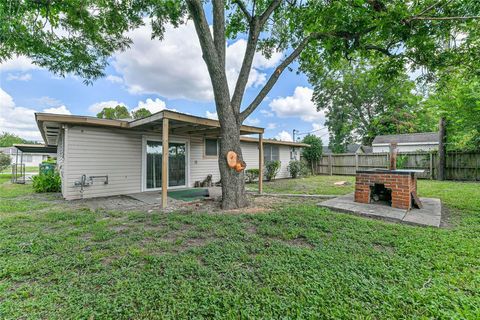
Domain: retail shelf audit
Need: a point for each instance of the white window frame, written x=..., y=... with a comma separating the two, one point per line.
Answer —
x=144, y=161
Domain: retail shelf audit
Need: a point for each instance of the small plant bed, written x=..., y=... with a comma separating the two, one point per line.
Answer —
x=59, y=260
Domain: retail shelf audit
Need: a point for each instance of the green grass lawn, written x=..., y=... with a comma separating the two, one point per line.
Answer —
x=33, y=169
x=298, y=261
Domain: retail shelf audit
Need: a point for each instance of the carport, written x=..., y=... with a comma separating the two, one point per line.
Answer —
x=18, y=167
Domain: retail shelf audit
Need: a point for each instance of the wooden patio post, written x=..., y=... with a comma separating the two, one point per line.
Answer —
x=260, y=163
x=164, y=161
x=442, y=158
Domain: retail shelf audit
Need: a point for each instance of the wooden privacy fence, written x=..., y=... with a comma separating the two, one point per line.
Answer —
x=459, y=165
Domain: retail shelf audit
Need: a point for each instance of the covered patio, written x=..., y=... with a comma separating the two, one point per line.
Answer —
x=170, y=123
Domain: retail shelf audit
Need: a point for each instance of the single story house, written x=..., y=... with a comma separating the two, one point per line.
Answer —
x=411, y=142
x=30, y=158
x=103, y=157
x=351, y=148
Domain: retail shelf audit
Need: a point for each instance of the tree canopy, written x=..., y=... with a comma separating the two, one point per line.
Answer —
x=121, y=112
x=312, y=153
x=360, y=104
x=118, y=112
x=9, y=139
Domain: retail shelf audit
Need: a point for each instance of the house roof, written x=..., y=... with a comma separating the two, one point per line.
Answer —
x=409, y=138
x=179, y=123
x=273, y=141
x=351, y=148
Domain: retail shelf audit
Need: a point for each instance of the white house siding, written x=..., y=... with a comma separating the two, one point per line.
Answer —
x=118, y=153
x=406, y=148
x=98, y=152
x=200, y=165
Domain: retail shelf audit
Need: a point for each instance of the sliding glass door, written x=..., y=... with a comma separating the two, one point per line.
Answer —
x=176, y=164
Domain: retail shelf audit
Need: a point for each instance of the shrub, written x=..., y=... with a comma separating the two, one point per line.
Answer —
x=47, y=182
x=402, y=161
x=271, y=169
x=252, y=175
x=295, y=168
x=5, y=161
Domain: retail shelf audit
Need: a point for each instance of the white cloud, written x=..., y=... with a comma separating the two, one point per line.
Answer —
x=153, y=106
x=19, y=63
x=59, y=110
x=174, y=67
x=298, y=105
x=47, y=102
x=19, y=77
x=114, y=79
x=211, y=115
x=20, y=120
x=266, y=113
x=97, y=107
x=252, y=121
x=284, y=136
x=271, y=126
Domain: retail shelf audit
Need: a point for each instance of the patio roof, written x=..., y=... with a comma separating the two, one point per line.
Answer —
x=180, y=123
x=36, y=148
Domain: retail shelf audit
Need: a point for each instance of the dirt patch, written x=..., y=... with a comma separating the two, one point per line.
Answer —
x=449, y=218
x=383, y=248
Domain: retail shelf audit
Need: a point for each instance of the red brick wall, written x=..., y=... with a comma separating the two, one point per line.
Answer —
x=401, y=185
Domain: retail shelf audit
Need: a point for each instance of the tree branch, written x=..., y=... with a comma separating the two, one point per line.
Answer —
x=219, y=30
x=243, y=8
x=247, y=62
x=443, y=18
x=276, y=74
x=273, y=5
x=256, y=26
x=209, y=53
x=379, y=49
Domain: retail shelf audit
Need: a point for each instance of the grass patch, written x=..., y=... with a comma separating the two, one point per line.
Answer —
x=299, y=261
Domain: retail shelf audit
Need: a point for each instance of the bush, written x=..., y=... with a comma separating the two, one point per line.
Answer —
x=295, y=167
x=5, y=161
x=271, y=169
x=402, y=161
x=47, y=182
x=252, y=175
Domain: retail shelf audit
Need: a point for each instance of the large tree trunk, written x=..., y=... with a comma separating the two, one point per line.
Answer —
x=233, y=182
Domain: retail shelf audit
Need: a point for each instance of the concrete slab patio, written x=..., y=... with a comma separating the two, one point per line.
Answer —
x=429, y=215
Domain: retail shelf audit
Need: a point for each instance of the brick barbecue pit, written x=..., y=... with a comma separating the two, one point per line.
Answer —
x=397, y=188
x=393, y=187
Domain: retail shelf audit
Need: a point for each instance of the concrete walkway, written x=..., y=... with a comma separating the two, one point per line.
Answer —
x=429, y=215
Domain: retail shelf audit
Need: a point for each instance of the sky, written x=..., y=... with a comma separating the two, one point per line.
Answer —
x=157, y=75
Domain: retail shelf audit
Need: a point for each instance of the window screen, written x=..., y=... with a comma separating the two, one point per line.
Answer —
x=211, y=147
x=271, y=152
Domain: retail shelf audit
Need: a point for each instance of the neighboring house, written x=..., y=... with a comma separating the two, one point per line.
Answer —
x=426, y=141
x=129, y=152
x=351, y=148
x=30, y=159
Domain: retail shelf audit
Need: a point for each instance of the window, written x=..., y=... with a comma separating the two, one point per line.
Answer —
x=211, y=147
x=27, y=158
x=271, y=152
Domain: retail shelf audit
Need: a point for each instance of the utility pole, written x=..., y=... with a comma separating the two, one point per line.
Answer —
x=442, y=153
x=293, y=148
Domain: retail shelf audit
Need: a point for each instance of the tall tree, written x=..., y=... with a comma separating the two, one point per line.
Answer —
x=313, y=30
x=312, y=153
x=9, y=139
x=119, y=112
x=456, y=97
x=141, y=113
x=360, y=104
